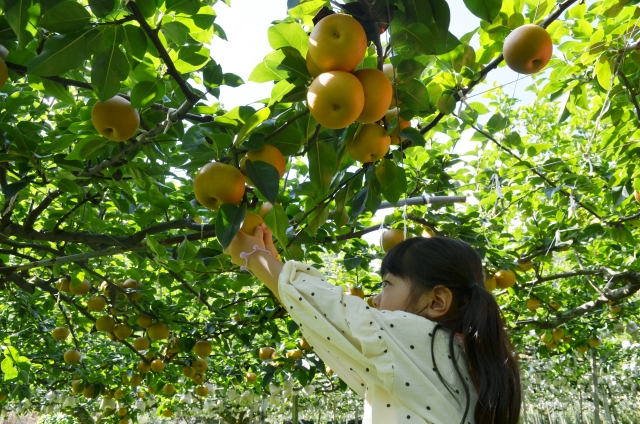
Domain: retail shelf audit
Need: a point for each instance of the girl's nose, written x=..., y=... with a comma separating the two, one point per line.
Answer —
x=376, y=301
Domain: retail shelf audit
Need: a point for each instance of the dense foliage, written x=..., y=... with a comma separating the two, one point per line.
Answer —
x=552, y=182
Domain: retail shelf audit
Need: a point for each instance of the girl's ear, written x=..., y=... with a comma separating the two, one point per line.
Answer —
x=437, y=302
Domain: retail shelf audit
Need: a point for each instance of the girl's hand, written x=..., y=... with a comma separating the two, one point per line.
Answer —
x=268, y=240
x=244, y=242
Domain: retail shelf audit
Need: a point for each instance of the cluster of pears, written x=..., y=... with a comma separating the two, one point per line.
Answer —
x=340, y=96
x=217, y=183
x=268, y=354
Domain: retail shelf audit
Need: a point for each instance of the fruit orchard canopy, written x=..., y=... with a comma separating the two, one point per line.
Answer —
x=384, y=356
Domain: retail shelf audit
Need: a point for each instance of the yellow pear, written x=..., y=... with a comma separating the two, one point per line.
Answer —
x=115, y=119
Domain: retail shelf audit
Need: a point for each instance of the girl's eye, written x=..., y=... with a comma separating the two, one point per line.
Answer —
x=385, y=283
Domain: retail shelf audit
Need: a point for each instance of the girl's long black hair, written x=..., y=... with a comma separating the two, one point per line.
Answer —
x=474, y=314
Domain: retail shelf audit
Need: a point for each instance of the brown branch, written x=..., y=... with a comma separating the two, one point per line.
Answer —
x=286, y=124
x=18, y=254
x=352, y=234
x=73, y=209
x=164, y=55
x=424, y=222
x=22, y=70
x=594, y=285
x=248, y=299
x=105, y=252
x=36, y=246
x=190, y=289
x=327, y=199
x=560, y=8
x=621, y=293
x=174, y=117
x=66, y=318
x=133, y=349
x=35, y=213
x=574, y=273
x=627, y=218
x=312, y=141
x=535, y=171
x=632, y=95
x=120, y=21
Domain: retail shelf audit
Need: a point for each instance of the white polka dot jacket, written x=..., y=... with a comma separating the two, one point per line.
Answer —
x=384, y=356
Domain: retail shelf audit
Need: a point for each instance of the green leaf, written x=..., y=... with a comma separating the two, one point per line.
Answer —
x=288, y=141
x=278, y=223
x=323, y=165
x=159, y=251
x=212, y=74
x=418, y=11
x=176, y=32
x=307, y=9
x=484, y=9
x=386, y=172
x=445, y=43
x=58, y=91
x=441, y=17
x=497, y=123
x=102, y=8
x=61, y=54
x=421, y=38
x=189, y=58
x=217, y=30
x=288, y=35
x=414, y=135
x=284, y=63
x=107, y=71
x=604, y=71
x=135, y=41
x=265, y=177
x=65, y=17
x=9, y=371
x=255, y=120
x=187, y=250
x=12, y=189
x=228, y=222
x=188, y=7
x=397, y=189
x=147, y=7
x=265, y=72
x=146, y=93
x=409, y=69
x=201, y=26
x=87, y=148
x=231, y=80
x=281, y=89
x=22, y=16
x=413, y=94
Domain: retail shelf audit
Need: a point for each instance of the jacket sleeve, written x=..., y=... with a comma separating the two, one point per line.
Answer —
x=344, y=331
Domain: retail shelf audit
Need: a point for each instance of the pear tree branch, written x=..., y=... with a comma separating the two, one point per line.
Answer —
x=286, y=124
x=615, y=295
x=535, y=171
x=22, y=70
x=192, y=97
x=560, y=8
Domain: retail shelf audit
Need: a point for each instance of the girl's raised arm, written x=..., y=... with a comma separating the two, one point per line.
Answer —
x=263, y=261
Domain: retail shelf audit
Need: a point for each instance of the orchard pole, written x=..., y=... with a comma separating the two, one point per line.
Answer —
x=294, y=409
x=594, y=377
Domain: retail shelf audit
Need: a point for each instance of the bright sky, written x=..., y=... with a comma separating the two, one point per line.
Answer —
x=246, y=24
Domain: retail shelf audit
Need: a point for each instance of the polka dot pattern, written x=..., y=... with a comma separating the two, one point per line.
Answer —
x=388, y=363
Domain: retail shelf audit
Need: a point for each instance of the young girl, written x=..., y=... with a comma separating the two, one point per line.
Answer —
x=434, y=349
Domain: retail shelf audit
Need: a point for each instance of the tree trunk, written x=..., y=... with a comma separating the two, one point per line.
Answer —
x=596, y=400
x=263, y=410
